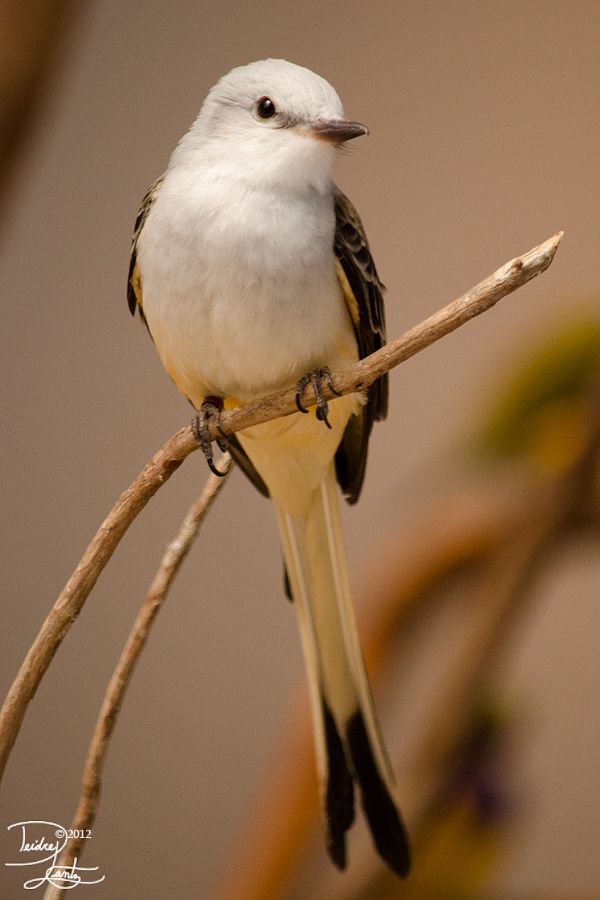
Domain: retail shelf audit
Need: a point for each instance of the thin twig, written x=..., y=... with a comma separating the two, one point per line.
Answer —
x=357, y=377
x=70, y=601
x=174, y=555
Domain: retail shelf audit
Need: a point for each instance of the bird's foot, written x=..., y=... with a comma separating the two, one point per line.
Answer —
x=210, y=411
x=316, y=379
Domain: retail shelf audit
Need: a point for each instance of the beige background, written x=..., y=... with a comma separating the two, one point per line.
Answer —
x=485, y=132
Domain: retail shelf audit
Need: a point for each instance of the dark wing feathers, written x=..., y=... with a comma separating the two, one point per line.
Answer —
x=134, y=284
x=364, y=296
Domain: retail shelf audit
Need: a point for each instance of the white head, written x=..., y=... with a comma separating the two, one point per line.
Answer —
x=271, y=121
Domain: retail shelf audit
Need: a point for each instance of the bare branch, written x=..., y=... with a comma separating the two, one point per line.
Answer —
x=358, y=377
x=70, y=601
x=170, y=564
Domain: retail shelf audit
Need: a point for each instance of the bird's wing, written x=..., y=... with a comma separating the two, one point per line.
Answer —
x=363, y=293
x=134, y=281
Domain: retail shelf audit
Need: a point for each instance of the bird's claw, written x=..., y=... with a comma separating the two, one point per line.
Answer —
x=210, y=410
x=315, y=379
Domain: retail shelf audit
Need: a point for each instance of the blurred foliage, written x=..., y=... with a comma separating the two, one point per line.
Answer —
x=461, y=834
x=541, y=412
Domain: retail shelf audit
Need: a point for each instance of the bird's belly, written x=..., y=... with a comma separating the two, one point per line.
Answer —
x=240, y=289
x=227, y=336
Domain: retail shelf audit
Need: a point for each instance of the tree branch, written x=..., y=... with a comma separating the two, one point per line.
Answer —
x=358, y=377
x=173, y=557
x=70, y=601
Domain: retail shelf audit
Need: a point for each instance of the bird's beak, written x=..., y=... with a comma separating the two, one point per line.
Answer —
x=337, y=130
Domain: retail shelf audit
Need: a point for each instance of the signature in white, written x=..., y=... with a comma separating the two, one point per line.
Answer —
x=45, y=841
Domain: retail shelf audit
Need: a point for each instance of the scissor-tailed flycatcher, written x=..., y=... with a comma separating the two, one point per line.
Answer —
x=253, y=274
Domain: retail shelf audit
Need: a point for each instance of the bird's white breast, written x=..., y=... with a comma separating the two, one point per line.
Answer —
x=239, y=286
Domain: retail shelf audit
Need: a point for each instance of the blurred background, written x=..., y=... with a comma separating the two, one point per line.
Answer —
x=474, y=549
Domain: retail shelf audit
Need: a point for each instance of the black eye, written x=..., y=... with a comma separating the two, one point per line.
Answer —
x=265, y=108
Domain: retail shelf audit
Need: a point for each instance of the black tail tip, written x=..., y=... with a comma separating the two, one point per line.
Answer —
x=393, y=848
x=389, y=835
x=339, y=794
x=336, y=849
x=385, y=822
x=398, y=855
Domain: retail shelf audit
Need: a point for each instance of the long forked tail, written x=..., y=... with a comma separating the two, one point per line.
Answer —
x=349, y=746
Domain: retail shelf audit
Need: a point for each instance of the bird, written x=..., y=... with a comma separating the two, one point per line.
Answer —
x=252, y=273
